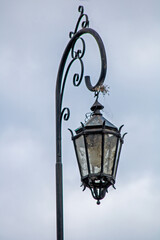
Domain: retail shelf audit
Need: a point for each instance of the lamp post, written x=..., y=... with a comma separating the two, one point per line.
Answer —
x=98, y=142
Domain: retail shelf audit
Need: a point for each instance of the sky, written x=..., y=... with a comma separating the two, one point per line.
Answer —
x=34, y=35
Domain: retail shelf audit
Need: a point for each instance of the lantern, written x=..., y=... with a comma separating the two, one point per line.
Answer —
x=98, y=145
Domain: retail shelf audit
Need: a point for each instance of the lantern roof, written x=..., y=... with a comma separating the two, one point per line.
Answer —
x=97, y=118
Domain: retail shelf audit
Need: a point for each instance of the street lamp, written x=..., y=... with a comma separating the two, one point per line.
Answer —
x=97, y=145
x=98, y=142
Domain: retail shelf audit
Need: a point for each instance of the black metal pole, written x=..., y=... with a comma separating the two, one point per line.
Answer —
x=59, y=200
x=64, y=113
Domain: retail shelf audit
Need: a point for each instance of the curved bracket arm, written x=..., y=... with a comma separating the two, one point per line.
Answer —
x=103, y=63
x=59, y=87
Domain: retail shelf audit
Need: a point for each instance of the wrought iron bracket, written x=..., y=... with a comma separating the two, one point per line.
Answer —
x=77, y=56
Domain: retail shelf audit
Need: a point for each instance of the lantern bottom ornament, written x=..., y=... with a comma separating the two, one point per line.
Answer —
x=97, y=146
x=98, y=185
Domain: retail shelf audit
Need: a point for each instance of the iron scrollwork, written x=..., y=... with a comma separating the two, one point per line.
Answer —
x=84, y=23
x=77, y=55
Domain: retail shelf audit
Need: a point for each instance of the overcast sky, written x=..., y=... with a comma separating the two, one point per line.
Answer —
x=33, y=36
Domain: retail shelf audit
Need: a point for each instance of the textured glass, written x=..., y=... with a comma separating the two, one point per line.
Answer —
x=110, y=142
x=94, y=146
x=82, y=155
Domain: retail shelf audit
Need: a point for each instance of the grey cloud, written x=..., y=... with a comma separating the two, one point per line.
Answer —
x=33, y=37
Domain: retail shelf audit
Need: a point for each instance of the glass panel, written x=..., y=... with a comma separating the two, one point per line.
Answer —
x=94, y=145
x=110, y=142
x=82, y=155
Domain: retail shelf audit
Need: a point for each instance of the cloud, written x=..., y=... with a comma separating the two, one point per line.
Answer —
x=33, y=37
x=130, y=212
x=24, y=178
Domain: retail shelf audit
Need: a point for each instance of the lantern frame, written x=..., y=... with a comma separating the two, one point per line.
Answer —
x=97, y=182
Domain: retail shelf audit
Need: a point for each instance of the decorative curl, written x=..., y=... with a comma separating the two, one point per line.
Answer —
x=84, y=24
x=77, y=78
x=81, y=9
x=65, y=114
x=80, y=52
